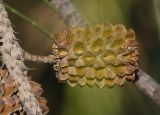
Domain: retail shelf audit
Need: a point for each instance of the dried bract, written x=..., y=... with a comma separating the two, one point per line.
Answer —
x=10, y=104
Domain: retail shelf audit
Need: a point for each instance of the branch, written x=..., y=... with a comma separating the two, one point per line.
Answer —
x=39, y=58
x=12, y=57
x=71, y=16
x=148, y=85
x=68, y=12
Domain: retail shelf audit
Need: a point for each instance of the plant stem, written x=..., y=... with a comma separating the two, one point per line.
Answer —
x=12, y=57
x=40, y=58
x=68, y=12
x=148, y=85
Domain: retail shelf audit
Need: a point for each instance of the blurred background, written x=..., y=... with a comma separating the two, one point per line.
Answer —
x=141, y=15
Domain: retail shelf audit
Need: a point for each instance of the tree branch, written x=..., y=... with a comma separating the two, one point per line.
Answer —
x=68, y=12
x=71, y=16
x=148, y=85
x=12, y=57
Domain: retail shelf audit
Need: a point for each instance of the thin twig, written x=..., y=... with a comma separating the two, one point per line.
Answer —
x=148, y=85
x=71, y=16
x=29, y=20
x=68, y=12
x=12, y=57
x=39, y=58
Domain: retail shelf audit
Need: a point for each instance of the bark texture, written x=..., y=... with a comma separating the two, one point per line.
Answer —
x=12, y=57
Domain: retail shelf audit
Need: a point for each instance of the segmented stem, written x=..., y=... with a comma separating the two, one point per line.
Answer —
x=148, y=85
x=39, y=58
x=68, y=12
x=12, y=57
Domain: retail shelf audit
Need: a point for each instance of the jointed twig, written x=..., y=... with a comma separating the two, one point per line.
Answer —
x=12, y=57
x=39, y=58
x=148, y=85
x=71, y=16
x=68, y=12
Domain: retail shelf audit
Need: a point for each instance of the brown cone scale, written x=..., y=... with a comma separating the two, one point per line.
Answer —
x=102, y=55
x=10, y=104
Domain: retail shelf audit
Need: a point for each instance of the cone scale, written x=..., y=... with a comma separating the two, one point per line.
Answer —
x=10, y=104
x=102, y=55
